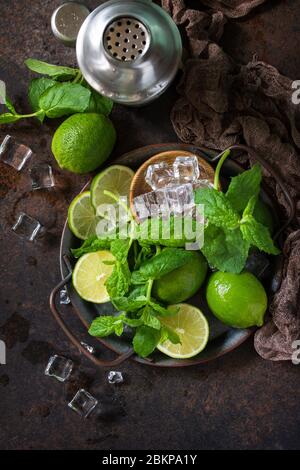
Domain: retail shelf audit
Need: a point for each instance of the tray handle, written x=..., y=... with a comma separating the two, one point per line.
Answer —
x=58, y=317
x=251, y=152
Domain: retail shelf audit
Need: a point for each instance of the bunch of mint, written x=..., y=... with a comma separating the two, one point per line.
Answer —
x=62, y=92
x=231, y=228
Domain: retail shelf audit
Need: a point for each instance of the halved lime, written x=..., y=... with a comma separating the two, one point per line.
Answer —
x=192, y=328
x=82, y=218
x=116, y=179
x=90, y=274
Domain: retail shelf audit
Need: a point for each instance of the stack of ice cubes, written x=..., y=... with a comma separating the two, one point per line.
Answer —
x=172, y=188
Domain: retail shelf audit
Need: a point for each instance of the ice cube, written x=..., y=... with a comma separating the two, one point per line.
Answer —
x=14, y=153
x=159, y=175
x=146, y=205
x=83, y=403
x=203, y=183
x=115, y=377
x=64, y=298
x=42, y=176
x=89, y=348
x=141, y=207
x=180, y=198
x=162, y=203
x=186, y=169
x=59, y=367
x=27, y=227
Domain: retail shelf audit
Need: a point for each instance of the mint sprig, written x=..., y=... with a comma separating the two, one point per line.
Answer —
x=62, y=92
x=231, y=228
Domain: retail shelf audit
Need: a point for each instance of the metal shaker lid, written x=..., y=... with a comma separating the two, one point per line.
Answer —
x=67, y=20
x=129, y=50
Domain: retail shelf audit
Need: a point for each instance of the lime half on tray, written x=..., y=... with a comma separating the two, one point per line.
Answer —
x=115, y=179
x=192, y=328
x=82, y=218
x=90, y=274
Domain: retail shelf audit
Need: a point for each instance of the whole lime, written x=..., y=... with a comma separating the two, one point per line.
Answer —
x=238, y=300
x=83, y=142
x=182, y=283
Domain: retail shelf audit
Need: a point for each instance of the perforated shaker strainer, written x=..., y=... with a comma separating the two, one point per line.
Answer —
x=129, y=50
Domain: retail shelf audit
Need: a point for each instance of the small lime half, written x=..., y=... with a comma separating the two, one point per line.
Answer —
x=115, y=179
x=82, y=218
x=90, y=274
x=192, y=328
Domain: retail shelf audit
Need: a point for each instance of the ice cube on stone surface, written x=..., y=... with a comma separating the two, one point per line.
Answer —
x=115, y=377
x=159, y=175
x=88, y=347
x=27, y=227
x=186, y=169
x=41, y=176
x=83, y=403
x=64, y=298
x=59, y=367
x=14, y=153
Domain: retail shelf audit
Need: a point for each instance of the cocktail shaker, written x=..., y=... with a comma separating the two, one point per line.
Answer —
x=129, y=50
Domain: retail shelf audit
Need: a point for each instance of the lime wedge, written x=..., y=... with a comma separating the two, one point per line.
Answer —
x=116, y=179
x=90, y=274
x=82, y=219
x=191, y=326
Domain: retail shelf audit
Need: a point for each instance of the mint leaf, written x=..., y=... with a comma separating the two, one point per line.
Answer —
x=155, y=225
x=107, y=325
x=217, y=209
x=160, y=264
x=249, y=209
x=145, y=340
x=148, y=317
x=7, y=118
x=9, y=105
x=36, y=89
x=99, y=104
x=162, y=311
x=118, y=283
x=63, y=99
x=54, y=71
x=135, y=301
x=258, y=235
x=243, y=187
x=225, y=250
x=168, y=334
x=133, y=322
x=120, y=248
x=91, y=245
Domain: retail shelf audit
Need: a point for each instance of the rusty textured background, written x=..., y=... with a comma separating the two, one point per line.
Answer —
x=239, y=401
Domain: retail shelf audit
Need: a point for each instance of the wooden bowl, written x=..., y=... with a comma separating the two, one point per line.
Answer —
x=139, y=185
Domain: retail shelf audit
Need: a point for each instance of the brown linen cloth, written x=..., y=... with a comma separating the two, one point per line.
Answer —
x=222, y=103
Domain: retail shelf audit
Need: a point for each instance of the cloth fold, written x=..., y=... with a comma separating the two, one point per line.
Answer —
x=222, y=103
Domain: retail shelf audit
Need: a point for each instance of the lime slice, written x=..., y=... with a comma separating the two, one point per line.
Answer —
x=90, y=274
x=191, y=326
x=116, y=179
x=82, y=219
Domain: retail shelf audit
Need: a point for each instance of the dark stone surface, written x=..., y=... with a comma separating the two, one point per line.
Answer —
x=238, y=401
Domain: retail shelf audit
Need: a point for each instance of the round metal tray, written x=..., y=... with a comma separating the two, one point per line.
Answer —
x=222, y=338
